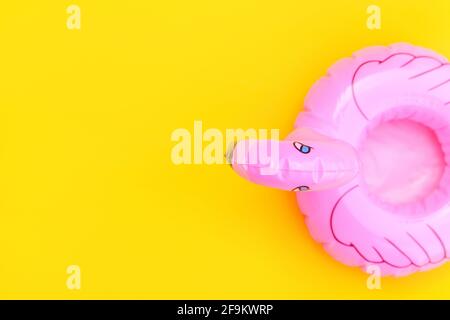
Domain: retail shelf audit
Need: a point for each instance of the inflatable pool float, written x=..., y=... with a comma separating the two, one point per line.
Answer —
x=370, y=158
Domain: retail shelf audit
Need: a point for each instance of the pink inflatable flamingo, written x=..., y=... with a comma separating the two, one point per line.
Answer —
x=372, y=152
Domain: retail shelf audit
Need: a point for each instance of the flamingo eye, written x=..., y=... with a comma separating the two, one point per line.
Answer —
x=303, y=148
x=301, y=188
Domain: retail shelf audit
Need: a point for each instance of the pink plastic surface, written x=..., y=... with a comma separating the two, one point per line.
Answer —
x=370, y=156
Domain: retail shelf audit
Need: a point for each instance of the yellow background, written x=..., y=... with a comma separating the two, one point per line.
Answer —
x=86, y=116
